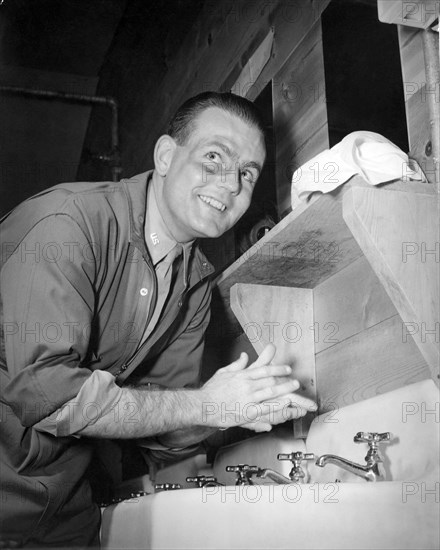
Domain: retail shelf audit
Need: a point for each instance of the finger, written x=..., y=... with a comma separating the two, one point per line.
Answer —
x=295, y=400
x=257, y=426
x=269, y=393
x=238, y=364
x=280, y=416
x=274, y=412
x=265, y=356
x=292, y=413
x=304, y=402
x=269, y=371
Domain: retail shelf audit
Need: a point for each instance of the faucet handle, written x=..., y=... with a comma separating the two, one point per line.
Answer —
x=296, y=457
x=371, y=437
x=296, y=473
x=245, y=472
x=202, y=481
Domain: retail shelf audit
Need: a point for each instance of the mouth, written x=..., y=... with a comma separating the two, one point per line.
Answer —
x=216, y=204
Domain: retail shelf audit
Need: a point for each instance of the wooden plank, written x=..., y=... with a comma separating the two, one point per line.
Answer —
x=254, y=66
x=300, y=112
x=292, y=22
x=282, y=316
x=417, y=13
x=308, y=246
x=373, y=362
x=399, y=234
x=347, y=303
x=415, y=94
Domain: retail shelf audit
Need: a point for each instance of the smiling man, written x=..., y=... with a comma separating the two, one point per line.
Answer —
x=105, y=299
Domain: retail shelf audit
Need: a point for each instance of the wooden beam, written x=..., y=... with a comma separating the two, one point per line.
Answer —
x=416, y=99
x=399, y=235
x=300, y=112
x=349, y=302
x=370, y=363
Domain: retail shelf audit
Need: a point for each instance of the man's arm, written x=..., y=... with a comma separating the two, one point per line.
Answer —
x=187, y=416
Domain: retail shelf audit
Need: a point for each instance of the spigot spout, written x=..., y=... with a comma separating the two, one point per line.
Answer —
x=369, y=472
x=274, y=476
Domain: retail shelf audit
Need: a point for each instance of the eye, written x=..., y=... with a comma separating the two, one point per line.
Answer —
x=212, y=155
x=248, y=176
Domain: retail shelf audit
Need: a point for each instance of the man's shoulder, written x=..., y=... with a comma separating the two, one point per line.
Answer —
x=91, y=204
x=89, y=194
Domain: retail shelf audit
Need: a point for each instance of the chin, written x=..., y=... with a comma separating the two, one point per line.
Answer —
x=209, y=231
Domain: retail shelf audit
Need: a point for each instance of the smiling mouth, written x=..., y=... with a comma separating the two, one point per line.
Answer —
x=213, y=202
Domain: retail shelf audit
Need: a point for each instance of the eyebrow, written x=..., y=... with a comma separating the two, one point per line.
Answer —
x=224, y=148
x=253, y=164
x=234, y=155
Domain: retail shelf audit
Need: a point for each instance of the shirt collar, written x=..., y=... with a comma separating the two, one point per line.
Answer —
x=158, y=238
x=135, y=189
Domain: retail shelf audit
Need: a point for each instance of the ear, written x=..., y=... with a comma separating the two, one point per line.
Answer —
x=163, y=154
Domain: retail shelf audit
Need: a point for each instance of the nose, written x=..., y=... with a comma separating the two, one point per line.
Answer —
x=230, y=178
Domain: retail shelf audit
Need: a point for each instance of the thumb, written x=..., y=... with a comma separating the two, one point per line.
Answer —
x=265, y=356
x=238, y=364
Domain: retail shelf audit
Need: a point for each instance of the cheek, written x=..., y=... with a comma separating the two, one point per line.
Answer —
x=242, y=205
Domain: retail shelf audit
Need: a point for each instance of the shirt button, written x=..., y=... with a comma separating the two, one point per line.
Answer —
x=143, y=291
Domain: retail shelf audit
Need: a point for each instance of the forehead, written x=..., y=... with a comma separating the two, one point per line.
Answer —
x=213, y=124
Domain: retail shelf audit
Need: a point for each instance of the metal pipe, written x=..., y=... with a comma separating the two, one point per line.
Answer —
x=430, y=49
x=114, y=156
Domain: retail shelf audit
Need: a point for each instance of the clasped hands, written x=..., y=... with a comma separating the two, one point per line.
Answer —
x=255, y=397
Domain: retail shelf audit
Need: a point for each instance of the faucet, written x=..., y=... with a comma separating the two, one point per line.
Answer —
x=373, y=469
x=204, y=481
x=245, y=472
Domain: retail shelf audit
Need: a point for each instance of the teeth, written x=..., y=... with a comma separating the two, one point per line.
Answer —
x=213, y=202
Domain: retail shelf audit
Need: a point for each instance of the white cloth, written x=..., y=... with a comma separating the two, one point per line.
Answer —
x=368, y=154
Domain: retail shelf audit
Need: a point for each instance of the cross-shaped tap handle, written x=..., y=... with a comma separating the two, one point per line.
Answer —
x=243, y=468
x=296, y=457
x=201, y=480
x=371, y=437
x=245, y=472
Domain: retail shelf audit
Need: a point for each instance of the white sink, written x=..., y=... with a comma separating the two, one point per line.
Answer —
x=400, y=513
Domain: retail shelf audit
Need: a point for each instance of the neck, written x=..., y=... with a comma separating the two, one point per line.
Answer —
x=158, y=183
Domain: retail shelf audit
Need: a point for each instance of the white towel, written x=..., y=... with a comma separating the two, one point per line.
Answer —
x=368, y=154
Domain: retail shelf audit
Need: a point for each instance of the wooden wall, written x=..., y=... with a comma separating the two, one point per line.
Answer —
x=212, y=55
x=416, y=97
x=300, y=112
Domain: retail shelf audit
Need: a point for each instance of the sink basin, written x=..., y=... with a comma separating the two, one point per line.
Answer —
x=400, y=513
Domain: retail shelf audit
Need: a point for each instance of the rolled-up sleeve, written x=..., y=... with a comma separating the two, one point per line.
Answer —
x=99, y=396
x=47, y=290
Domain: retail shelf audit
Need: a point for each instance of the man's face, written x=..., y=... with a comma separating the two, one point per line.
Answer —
x=209, y=181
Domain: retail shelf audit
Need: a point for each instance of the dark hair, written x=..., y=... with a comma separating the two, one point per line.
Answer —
x=183, y=122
